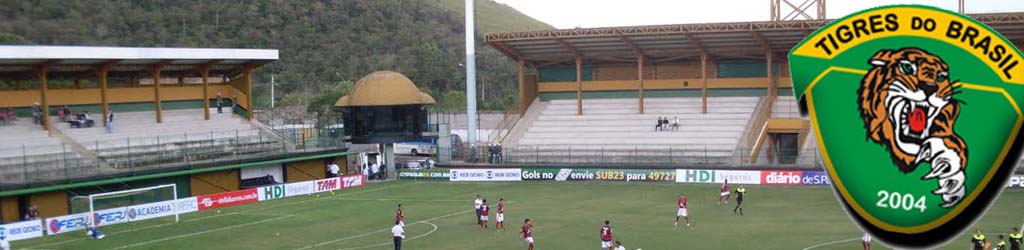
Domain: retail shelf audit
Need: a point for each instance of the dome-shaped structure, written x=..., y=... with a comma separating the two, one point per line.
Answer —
x=384, y=88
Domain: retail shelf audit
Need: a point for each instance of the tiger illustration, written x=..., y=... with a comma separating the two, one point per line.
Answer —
x=907, y=104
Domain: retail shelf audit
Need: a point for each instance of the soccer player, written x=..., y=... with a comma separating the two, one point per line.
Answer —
x=1016, y=239
x=682, y=210
x=725, y=193
x=484, y=212
x=978, y=240
x=528, y=233
x=1002, y=243
x=606, y=236
x=398, y=233
x=619, y=246
x=865, y=241
x=4, y=245
x=400, y=216
x=739, y=200
x=499, y=219
x=476, y=206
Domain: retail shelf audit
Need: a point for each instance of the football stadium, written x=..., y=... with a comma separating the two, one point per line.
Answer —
x=684, y=136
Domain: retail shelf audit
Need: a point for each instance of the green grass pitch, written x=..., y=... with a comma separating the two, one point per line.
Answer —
x=567, y=215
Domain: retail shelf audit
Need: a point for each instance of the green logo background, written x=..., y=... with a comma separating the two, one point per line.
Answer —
x=988, y=123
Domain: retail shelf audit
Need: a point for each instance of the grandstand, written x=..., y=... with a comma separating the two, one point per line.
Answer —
x=158, y=127
x=593, y=94
x=615, y=132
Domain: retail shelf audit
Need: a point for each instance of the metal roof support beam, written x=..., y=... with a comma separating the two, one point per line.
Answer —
x=156, y=91
x=699, y=44
x=524, y=93
x=636, y=49
x=640, y=79
x=568, y=47
x=579, y=85
x=704, y=83
x=772, y=87
x=44, y=115
x=104, y=101
x=765, y=45
x=204, y=71
x=248, y=91
x=509, y=51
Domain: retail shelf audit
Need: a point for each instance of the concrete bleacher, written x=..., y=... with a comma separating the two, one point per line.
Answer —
x=27, y=152
x=183, y=137
x=611, y=130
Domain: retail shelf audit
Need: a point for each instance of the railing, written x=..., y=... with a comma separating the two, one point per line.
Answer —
x=26, y=165
x=307, y=132
x=624, y=154
x=508, y=120
x=786, y=111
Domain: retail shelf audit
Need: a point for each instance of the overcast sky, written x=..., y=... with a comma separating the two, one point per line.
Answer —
x=566, y=14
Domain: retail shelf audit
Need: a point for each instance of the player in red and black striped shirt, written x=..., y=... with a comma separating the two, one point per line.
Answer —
x=484, y=213
x=400, y=216
x=528, y=233
x=499, y=219
x=682, y=211
x=606, y=236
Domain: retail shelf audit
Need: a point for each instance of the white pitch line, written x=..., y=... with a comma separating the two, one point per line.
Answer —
x=382, y=230
x=395, y=199
x=140, y=229
x=330, y=198
x=201, y=233
x=386, y=243
x=830, y=243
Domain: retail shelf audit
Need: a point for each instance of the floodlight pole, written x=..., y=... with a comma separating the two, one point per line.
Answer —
x=470, y=77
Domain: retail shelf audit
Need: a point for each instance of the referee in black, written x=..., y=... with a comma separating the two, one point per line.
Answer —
x=739, y=200
x=399, y=234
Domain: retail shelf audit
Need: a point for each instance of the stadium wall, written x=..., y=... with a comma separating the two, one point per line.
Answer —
x=215, y=182
x=50, y=204
x=9, y=209
x=61, y=97
x=306, y=170
x=54, y=200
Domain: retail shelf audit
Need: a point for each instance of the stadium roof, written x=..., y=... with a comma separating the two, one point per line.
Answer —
x=78, y=61
x=384, y=88
x=674, y=42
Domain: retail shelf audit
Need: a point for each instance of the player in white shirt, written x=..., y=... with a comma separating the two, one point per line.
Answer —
x=4, y=245
x=619, y=246
x=476, y=207
x=398, y=234
x=866, y=241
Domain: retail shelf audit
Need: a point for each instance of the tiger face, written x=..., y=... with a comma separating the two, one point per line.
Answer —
x=907, y=104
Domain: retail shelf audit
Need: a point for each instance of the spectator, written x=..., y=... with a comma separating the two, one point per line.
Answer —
x=234, y=104
x=366, y=169
x=33, y=213
x=658, y=126
x=88, y=120
x=219, y=104
x=675, y=123
x=60, y=114
x=36, y=113
x=10, y=115
x=375, y=168
x=110, y=121
x=332, y=169
x=498, y=153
